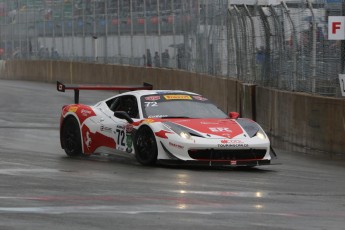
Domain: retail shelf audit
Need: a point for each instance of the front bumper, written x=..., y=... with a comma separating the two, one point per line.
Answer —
x=232, y=163
x=217, y=157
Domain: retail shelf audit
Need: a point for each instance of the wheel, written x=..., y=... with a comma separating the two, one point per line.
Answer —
x=145, y=146
x=71, y=139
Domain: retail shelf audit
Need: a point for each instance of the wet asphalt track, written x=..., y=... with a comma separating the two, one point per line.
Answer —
x=41, y=188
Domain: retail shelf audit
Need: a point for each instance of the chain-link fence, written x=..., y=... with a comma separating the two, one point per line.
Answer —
x=283, y=46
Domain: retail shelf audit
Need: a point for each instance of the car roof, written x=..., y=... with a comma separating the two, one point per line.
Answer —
x=139, y=93
x=156, y=92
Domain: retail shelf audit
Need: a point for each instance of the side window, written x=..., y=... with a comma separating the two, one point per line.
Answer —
x=127, y=104
x=113, y=103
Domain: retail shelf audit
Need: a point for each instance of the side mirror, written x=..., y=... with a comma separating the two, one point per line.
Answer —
x=234, y=115
x=123, y=115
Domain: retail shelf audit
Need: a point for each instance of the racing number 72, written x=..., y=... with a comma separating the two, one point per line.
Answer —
x=120, y=137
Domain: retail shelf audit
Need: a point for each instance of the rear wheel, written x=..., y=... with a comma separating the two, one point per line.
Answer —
x=71, y=139
x=145, y=146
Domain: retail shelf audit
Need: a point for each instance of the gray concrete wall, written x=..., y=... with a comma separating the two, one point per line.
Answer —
x=302, y=122
x=294, y=121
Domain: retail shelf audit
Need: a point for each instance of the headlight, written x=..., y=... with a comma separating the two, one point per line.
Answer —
x=185, y=135
x=252, y=128
x=260, y=134
x=181, y=131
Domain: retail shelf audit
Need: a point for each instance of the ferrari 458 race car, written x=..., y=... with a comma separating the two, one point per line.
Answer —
x=168, y=126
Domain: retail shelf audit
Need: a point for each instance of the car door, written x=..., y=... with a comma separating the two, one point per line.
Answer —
x=122, y=130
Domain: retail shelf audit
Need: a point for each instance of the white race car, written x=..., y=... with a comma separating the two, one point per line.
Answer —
x=168, y=126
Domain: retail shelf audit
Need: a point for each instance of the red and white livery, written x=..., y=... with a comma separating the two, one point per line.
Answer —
x=168, y=126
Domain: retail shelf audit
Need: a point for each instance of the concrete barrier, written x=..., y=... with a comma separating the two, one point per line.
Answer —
x=294, y=121
x=301, y=122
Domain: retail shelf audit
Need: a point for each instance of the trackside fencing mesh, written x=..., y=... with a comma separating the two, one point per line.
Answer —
x=283, y=45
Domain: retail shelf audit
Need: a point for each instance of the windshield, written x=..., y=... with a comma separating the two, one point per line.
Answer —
x=179, y=106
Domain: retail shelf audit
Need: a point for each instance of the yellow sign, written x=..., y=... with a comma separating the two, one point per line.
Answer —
x=177, y=97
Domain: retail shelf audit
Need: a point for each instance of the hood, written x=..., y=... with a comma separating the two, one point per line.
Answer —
x=217, y=128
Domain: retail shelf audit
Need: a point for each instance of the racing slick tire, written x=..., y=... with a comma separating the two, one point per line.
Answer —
x=145, y=145
x=70, y=137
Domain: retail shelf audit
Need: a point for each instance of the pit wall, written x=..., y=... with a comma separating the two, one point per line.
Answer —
x=294, y=121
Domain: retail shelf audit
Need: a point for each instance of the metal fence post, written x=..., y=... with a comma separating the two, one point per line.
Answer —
x=313, y=51
x=252, y=52
x=294, y=47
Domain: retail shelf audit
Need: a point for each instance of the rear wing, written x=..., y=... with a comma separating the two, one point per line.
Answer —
x=61, y=87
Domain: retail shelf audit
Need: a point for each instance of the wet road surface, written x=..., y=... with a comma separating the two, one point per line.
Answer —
x=41, y=188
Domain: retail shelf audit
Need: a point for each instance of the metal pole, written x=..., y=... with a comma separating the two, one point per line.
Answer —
x=278, y=41
x=229, y=41
x=73, y=35
x=131, y=15
x=239, y=46
x=253, y=61
x=342, y=44
x=197, y=39
x=206, y=38
x=145, y=34
x=63, y=30
x=313, y=51
x=27, y=32
x=159, y=30
x=234, y=30
x=83, y=39
x=94, y=36
x=173, y=28
x=106, y=33
x=119, y=31
x=294, y=47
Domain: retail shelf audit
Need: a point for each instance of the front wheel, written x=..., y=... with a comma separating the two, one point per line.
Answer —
x=145, y=146
x=71, y=137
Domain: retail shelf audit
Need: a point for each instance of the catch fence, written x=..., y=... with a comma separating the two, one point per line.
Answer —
x=284, y=46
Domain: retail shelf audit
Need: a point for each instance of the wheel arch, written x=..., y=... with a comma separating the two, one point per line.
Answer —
x=136, y=134
x=69, y=116
x=161, y=153
x=136, y=152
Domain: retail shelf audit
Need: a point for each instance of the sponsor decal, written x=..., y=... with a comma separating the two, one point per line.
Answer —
x=220, y=129
x=153, y=98
x=176, y=145
x=157, y=116
x=200, y=98
x=73, y=109
x=119, y=127
x=231, y=141
x=208, y=123
x=91, y=141
x=163, y=92
x=232, y=145
x=105, y=129
x=233, y=162
x=129, y=138
x=88, y=140
x=85, y=113
x=177, y=97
